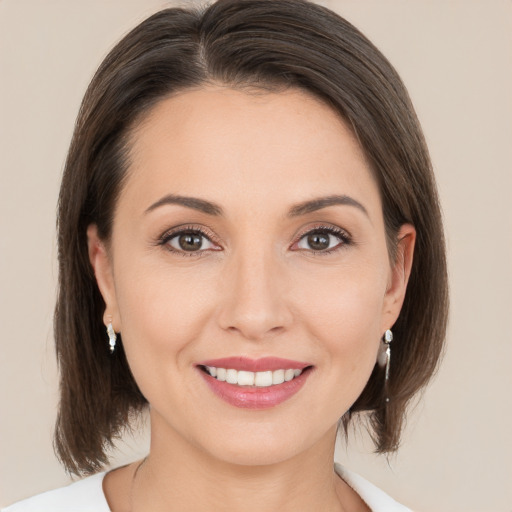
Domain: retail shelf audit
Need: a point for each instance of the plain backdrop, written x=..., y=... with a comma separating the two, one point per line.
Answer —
x=455, y=56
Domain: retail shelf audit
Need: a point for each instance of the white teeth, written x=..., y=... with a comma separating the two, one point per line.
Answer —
x=263, y=379
x=289, y=374
x=245, y=378
x=258, y=379
x=231, y=377
x=278, y=377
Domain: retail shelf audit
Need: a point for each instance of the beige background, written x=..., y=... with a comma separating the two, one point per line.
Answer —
x=455, y=56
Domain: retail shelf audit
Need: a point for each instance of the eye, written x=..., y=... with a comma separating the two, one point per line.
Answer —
x=323, y=240
x=187, y=242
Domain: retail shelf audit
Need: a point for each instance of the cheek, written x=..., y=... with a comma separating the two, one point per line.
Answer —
x=162, y=311
x=167, y=311
x=345, y=302
x=344, y=318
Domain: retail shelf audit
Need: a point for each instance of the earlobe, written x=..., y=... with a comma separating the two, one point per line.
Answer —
x=400, y=272
x=100, y=261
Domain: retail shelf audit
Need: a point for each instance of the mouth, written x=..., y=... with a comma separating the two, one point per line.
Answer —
x=254, y=384
x=244, y=378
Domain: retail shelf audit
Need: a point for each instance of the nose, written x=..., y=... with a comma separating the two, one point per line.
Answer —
x=253, y=296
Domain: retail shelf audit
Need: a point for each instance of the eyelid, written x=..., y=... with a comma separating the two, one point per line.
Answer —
x=342, y=234
x=169, y=234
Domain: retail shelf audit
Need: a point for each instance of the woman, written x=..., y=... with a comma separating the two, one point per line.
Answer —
x=250, y=245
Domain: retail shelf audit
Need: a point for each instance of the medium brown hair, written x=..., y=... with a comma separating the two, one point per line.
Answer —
x=267, y=44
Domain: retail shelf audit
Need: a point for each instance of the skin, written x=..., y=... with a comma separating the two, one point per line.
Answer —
x=258, y=290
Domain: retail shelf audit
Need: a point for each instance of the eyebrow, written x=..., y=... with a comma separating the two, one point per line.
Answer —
x=323, y=202
x=190, y=202
x=295, y=211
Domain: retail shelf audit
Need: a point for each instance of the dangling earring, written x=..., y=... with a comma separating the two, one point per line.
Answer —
x=112, y=337
x=385, y=355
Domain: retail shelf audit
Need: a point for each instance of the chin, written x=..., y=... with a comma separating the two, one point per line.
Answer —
x=255, y=452
x=265, y=445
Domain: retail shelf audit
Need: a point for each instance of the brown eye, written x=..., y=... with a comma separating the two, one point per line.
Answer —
x=318, y=241
x=189, y=241
x=324, y=240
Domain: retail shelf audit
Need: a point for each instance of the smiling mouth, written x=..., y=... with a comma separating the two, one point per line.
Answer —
x=262, y=379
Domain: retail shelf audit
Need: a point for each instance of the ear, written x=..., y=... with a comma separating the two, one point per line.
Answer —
x=102, y=265
x=400, y=272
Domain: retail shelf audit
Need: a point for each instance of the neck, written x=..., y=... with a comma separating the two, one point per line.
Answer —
x=178, y=476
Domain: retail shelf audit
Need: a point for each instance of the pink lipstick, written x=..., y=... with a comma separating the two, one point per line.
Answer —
x=254, y=383
x=255, y=365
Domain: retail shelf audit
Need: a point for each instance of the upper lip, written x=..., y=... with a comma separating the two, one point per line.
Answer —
x=255, y=365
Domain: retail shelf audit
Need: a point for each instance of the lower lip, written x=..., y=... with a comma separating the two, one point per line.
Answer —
x=255, y=397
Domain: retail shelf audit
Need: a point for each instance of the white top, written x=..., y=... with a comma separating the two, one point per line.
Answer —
x=87, y=496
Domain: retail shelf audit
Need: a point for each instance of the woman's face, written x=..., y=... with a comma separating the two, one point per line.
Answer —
x=249, y=227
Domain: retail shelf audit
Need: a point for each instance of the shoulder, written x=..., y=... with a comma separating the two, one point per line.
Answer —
x=376, y=499
x=83, y=496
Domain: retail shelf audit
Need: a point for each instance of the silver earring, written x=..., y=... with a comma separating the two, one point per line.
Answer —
x=385, y=355
x=112, y=337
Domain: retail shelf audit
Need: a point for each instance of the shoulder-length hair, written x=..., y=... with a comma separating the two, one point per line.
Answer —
x=270, y=45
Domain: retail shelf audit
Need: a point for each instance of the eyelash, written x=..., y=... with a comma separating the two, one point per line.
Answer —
x=193, y=230
x=341, y=234
x=196, y=230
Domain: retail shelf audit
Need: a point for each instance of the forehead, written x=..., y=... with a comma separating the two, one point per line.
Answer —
x=227, y=144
